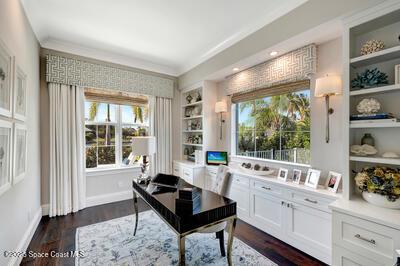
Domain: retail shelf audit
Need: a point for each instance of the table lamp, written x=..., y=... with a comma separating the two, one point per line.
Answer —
x=326, y=87
x=144, y=146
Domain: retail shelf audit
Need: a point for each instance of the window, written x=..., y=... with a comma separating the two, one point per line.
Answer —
x=109, y=129
x=275, y=128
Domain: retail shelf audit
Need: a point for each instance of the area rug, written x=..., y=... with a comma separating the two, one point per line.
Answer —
x=112, y=243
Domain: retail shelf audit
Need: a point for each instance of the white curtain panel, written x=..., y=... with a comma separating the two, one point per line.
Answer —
x=161, y=128
x=67, y=170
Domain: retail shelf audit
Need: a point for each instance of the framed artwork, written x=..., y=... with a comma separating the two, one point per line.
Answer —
x=6, y=79
x=20, y=152
x=20, y=95
x=333, y=181
x=282, y=174
x=5, y=155
x=397, y=74
x=312, y=178
x=296, y=176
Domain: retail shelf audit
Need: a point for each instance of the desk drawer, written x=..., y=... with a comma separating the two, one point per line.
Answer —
x=311, y=201
x=187, y=174
x=265, y=187
x=241, y=181
x=366, y=238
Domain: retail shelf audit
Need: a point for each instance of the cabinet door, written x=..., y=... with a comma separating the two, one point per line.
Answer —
x=177, y=170
x=267, y=211
x=187, y=175
x=242, y=198
x=310, y=226
x=343, y=257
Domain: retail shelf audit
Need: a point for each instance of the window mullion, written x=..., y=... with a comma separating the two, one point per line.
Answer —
x=118, y=138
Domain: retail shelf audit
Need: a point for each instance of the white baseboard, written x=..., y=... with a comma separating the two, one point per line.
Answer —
x=45, y=209
x=27, y=237
x=108, y=198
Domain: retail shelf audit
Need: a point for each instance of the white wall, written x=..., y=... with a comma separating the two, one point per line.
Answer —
x=21, y=204
x=324, y=156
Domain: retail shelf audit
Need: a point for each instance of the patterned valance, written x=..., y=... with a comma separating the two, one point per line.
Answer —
x=291, y=67
x=77, y=72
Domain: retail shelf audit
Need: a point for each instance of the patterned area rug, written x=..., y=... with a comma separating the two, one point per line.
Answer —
x=112, y=243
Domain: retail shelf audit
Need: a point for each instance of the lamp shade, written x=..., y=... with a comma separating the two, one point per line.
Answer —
x=144, y=145
x=329, y=85
x=221, y=107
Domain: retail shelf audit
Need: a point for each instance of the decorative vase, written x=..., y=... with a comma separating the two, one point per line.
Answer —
x=381, y=201
x=368, y=139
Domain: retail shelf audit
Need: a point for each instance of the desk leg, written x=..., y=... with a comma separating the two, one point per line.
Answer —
x=181, y=246
x=135, y=206
x=231, y=232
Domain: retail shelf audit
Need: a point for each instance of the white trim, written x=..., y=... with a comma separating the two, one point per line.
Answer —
x=269, y=161
x=26, y=238
x=114, y=170
x=108, y=198
x=45, y=209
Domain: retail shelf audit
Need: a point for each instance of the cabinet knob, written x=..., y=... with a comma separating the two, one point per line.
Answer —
x=372, y=241
x=311, y=201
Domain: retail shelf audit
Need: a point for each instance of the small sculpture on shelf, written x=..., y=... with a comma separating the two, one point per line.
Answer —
x=368, y=106
x=369, y=79
x=372, y=46
x=198, y=97
x=189, y=99
x=368, y=139
x=363, y=150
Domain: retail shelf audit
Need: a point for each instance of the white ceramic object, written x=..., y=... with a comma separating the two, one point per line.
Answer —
x=255, y=172
x=381, y=201
x=368, y=106
x=390, y=154
x=363, y=150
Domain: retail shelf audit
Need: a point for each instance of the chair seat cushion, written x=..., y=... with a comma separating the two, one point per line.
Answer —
x=214, y=228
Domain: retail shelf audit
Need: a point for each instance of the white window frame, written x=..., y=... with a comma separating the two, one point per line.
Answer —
x=118, y=141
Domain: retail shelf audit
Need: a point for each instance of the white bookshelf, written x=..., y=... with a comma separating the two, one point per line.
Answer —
x=206, y=119
x=379, y=25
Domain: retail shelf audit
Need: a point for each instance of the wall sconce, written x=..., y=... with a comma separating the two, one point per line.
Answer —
x=326, y=87
x=221, y=107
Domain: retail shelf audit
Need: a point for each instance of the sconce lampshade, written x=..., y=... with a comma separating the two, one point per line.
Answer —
x=221, y=107
x=329, y=85
x=144, y=145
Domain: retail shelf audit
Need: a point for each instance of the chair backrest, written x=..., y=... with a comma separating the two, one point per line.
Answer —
x=223, y=181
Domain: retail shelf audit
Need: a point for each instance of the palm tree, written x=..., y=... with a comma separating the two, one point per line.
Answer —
x=93, y=109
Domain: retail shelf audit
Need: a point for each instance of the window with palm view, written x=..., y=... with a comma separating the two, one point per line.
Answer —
x=109, y=129
x=275, y=128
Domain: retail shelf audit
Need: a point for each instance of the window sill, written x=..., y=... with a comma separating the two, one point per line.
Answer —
x=112, y=170
x=270, y=161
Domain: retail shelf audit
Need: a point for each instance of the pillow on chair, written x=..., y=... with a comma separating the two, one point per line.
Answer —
x=222, y=182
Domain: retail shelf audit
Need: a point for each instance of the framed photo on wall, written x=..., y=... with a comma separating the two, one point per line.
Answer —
x=6, y=79
x=5, y=155
x=333, y=181
x=20, y=95
x=20, y=152
x=312, y=178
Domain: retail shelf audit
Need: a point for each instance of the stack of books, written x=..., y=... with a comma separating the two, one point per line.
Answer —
x=373, y=118
x=188, y=201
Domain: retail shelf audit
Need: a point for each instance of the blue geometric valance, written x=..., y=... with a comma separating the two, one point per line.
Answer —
x=294, y=66
x=71, y=71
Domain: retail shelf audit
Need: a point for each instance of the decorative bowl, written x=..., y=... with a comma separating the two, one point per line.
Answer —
x=255, y=172
x=381, y=201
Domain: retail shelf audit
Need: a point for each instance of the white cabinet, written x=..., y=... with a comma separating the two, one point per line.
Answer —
x=343, y=257
x=190, y=172
x=210, y=176
x=242, y=196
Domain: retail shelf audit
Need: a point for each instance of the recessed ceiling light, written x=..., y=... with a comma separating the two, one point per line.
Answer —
x=273, y=53
x=235, y=69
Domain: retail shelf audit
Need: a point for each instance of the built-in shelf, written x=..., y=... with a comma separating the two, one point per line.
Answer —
x=377, y=57
x=375, y=125
x=192, y=104
x=379, y=160
x=192, y=131
x=383, y=89
x=193, y=117
x=192, y=144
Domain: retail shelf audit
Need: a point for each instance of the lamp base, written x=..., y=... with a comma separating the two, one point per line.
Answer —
x=144, y=177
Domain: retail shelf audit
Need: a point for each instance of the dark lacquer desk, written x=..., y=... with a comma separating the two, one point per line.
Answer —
x=212, y=210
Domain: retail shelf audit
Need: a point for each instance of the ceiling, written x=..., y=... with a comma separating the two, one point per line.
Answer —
x=166, y=36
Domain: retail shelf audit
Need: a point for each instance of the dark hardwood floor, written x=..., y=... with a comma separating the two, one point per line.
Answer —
x=58, y=234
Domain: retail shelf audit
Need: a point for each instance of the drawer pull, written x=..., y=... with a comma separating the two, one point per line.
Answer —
x=365, y=239
x=266, y=188
x=311, y=201
x=237, y=180
x=187, y=174
x=283, y=203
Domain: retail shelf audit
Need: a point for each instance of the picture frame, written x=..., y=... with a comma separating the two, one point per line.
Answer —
x=6, y=80
x=19, y=95
x=283, y=174
x=296, y=178
x=312, y=178
x=397, y=74
x=6, y=133
x=333, y=181
x=20, y=152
